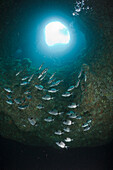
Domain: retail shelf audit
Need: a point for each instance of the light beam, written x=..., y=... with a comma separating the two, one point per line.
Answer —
x=56, y=33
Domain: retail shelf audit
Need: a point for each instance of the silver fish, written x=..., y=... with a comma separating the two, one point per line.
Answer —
x=22, y=107
x=47, y=97
x=85, y=125
x=82, y=3
x=25, y=78
x=17, y=101
x=70, y=88
x=59, y=132
x=9, y=96
x=80, y=73
x=87, y=128
x=70, y=113
x=78, y=9
x=85, y=78
x=24, y=83
x=31, y=78
x=68, y=139
x=39, y=76
x=40, y=66
x=67, y=129
x=73, y=116
x=53, y=90
x=39, y=87
x=8, y=90
x=40, y=106
x=9, y=102
x=50, y=81
x=75, y=13
x=43, y=72
x=68, y=122
x=79, y=117
x=49, y=119
x=61, y=144
x=89, y=121
x=43, y=77
x=18, y=73
x=52, y=75
x=56, y=83
x=73, y=105
x=77, y=84
x=67, y=94
x=32, y=121
x=55, y=112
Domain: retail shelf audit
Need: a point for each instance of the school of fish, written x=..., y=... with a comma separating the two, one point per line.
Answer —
x=53, y=88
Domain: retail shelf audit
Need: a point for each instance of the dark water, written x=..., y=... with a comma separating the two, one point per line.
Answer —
x=16, y=156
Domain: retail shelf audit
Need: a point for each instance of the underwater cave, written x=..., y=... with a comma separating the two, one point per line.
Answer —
x=56, y=95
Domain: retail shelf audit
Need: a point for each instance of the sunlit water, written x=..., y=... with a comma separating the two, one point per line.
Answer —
x=56, y=33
